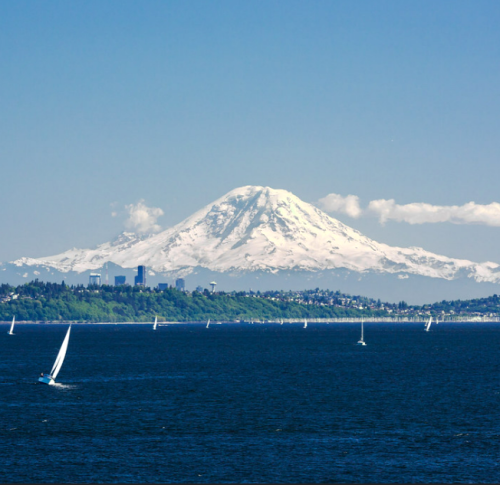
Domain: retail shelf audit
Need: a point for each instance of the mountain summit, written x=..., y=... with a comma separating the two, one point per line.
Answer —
x=253, y=229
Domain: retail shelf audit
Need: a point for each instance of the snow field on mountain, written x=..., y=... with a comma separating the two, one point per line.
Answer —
x=256, y=228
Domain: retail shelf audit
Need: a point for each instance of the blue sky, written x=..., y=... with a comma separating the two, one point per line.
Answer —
x=105, y=103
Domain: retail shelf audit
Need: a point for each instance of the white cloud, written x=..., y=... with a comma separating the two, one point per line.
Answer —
x=142, y=219
x=421, y=213
x=346, y=205
x=414, y=213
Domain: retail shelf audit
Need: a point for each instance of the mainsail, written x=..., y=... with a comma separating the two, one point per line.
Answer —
x=11, y=331
x=60, y=356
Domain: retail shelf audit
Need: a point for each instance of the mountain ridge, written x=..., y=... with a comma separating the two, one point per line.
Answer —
x=255, y=228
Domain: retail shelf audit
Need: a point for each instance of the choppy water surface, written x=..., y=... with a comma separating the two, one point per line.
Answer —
x=251, y=403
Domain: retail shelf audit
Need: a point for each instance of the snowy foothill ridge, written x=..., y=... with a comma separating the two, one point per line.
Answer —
x=255, y=228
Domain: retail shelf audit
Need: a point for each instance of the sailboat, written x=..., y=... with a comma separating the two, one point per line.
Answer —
x=281, y=323
x=361, y=341
x=50, y=378
x=11, y=331
x=208, y=323
x=305, y=323
x=428, y=325
x=156, y=323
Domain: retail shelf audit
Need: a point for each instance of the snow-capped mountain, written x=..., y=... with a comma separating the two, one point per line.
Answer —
x=259, y=229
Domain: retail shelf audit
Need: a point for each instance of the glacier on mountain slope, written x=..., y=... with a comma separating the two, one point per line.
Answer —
x=262, y=229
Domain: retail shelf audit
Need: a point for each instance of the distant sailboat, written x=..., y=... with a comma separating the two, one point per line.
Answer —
x=281, y=323
x=361, y=341
x=208, y=323
x=305, y=323
x=428, y=325
x=11, y=331
x=156, y=323
x=50, y=378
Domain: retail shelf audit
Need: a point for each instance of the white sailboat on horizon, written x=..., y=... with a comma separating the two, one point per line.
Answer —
x=50, y=378
x=428, y=326
x=208, y=323
x=156, y=323
x=305, y=323
x=11, y=331
x=361, y=341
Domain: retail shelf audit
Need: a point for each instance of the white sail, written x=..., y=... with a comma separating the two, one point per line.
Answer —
x=60, y=356
x=361, y=341
x=305, y=323
x=156, y=323
x=208, y=323
x=281, y=322
x=428, y=326
x=11, y=331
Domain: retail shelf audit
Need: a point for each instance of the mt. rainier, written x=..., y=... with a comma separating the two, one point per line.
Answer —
x=258, y=229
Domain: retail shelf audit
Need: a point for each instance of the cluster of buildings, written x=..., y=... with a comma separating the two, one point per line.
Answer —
x=9, y=297
x=140, y=280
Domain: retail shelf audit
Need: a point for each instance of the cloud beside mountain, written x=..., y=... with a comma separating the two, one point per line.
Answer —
x=348, y=205
x=142, y=219
x=421, y=213
x=414, y=213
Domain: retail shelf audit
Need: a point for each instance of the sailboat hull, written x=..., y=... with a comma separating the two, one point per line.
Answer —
x=46, y=380
x=361, y=343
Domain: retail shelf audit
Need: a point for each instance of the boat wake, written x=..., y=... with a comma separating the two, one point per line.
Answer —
x=131, y=378
x=58, y=385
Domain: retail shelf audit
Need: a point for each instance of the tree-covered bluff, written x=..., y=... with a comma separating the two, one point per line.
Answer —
x=39, y=301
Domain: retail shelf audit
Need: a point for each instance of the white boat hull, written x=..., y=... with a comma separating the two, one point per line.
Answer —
x=361, y=343
x=46, y=380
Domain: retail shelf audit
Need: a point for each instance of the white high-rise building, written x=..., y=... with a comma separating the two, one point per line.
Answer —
x=95, y=279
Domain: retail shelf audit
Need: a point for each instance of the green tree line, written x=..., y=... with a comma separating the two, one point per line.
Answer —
x=40, y=301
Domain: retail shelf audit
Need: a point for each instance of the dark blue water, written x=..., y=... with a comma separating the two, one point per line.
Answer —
x=251, y=403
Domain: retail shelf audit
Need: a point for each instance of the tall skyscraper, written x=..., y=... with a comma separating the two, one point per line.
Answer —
x=95, y=279
x=140, y=279
x=120, y=280
x=180, y=284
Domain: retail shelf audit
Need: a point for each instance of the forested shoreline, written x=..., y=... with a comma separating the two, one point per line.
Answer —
x=38, y=301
